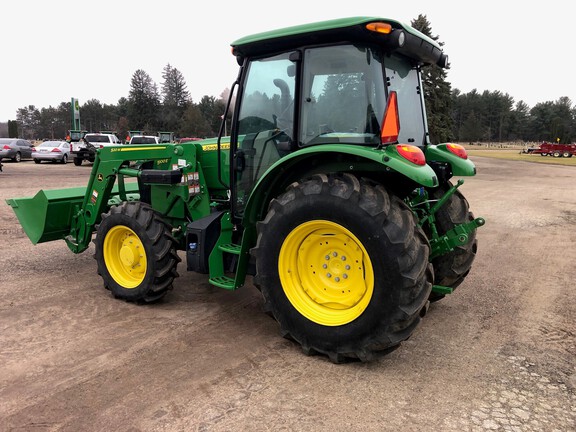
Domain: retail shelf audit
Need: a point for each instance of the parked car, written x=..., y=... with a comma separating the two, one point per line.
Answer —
x=144, y=139
x=54, y=151
x=15, y=149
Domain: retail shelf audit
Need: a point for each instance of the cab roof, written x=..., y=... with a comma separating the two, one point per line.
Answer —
x=418, y=46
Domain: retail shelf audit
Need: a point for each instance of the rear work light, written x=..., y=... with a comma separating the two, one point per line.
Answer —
x=458, y=150
x=411, y=153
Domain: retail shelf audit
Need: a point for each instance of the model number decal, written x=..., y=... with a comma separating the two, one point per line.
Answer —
x=211, y=147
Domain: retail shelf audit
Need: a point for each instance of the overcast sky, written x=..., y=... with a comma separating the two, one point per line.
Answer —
x=59, y=49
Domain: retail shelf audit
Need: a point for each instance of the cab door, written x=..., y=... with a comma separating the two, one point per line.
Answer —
x=265, y=128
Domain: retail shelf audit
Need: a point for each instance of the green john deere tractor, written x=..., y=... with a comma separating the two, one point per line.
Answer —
x=327, y=191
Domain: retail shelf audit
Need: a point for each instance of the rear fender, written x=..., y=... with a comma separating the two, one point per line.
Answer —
x=330, y=158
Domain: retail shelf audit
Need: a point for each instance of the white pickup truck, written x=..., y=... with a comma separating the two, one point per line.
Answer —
x=144, y=139
x=85, y=149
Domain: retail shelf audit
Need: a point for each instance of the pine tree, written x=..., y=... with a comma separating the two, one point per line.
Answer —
x=29, y=121
x=175, y=98
x=437, y=92
x=144, y=102
x=194, y=123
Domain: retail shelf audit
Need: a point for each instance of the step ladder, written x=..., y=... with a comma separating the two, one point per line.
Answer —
x=218, y=278
x=218, y=259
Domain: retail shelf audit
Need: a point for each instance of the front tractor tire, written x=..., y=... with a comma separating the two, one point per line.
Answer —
x=451, y=269
x=136, y=253
x=343, y=267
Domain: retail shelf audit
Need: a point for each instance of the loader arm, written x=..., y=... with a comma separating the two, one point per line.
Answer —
x=109, y=169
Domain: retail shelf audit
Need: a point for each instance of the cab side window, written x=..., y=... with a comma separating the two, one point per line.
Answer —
x=268, y=101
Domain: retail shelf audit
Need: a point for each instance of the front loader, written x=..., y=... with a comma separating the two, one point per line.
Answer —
x=327, y=191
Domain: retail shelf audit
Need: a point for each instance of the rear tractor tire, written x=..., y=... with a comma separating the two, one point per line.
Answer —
x=136, y=253
x=343, y=267
x=451, y=269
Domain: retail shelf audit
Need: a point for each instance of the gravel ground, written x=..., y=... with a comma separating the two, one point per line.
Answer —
x=496, y=355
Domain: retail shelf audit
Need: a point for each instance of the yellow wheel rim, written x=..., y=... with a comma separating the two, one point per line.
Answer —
x=326, y=273
x=124, y=256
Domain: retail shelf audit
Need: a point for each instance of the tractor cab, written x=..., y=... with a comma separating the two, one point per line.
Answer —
x=356, y=84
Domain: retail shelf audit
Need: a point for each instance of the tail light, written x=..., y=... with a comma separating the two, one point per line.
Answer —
x=458, y=150
x=6, y=147
x=411, y=153
x=56, y=150
x=33, y=148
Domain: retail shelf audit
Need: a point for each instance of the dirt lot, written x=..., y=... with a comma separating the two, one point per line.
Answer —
x=499, y=354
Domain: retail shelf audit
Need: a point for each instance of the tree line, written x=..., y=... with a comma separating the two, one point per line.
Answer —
x=490, y=116
x=146, y=109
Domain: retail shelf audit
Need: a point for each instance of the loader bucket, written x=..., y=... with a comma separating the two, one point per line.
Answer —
x=48, y=215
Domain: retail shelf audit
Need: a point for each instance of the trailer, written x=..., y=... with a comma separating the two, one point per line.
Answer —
x=554, y=150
